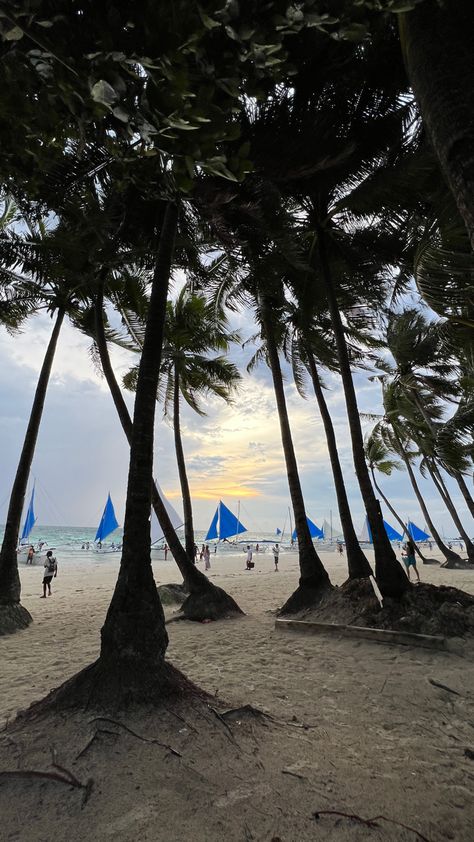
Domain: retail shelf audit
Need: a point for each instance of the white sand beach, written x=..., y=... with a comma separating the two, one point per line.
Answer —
x=356, y=727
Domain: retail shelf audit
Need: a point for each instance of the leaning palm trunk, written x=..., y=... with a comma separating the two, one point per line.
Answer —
x=183, y=477
x=206, y=600
x=314, y=580
x=455, y=474
x=450, y=556
x=465, y=492
x=437, y=44
x=396, y=516
x=389, y=574
x=357, y=563
x=446, y=498
x=14, y=616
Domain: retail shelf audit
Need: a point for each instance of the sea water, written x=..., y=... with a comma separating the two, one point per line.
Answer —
x=71, y=541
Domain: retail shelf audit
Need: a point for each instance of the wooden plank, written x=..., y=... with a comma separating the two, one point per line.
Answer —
x=402, y=638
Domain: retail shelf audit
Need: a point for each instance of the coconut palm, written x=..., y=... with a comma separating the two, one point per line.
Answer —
x=194, y=328
x=378, y=459
x=424, y=367
x=309, y=345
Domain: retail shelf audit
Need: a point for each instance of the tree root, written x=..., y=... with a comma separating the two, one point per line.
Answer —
x=138, y=736
x=13, y=617
x=66, y=777
x=112, y=685
x=369, y=822
x=211, y=604
x=304, y=597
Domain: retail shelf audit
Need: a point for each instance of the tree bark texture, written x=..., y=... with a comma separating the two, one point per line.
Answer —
x=465, y=492
x=357, y=563
x=436, y=40
x=313, y=573
x=390, y=577
x=183, y=477
x=11, y=589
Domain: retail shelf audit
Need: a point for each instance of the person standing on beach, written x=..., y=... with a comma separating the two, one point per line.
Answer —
x=51, y=569
x=30, y=556
x=276, y=553
x=249, y=564
x=409, y=560
x=207, y=558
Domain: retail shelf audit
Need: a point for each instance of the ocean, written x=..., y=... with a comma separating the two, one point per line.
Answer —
x=70, y=540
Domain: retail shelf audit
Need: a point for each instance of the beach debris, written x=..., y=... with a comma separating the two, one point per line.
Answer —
x=134, y=734
x=443, y=686
x=65, y=777
x=374, y=822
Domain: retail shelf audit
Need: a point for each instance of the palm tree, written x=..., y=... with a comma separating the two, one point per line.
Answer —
x=435, y=40
x=393, y=434
x=194, y=327
x=309, y=345
x=424, y=367
x=43, y=282
x=378, y=459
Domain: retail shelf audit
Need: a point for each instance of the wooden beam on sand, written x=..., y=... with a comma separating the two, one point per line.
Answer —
x=401, y=638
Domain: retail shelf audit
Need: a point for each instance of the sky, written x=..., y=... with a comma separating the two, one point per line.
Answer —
x=233, y=454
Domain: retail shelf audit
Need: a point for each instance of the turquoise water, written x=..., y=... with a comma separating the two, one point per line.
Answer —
x=70, y=539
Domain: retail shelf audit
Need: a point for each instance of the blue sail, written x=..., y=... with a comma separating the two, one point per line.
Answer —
x=30, y=518
x=416, y=533
x=108, y=521
x=229, y=524
x=392, y=533
x=314, y=530
x=212, y=531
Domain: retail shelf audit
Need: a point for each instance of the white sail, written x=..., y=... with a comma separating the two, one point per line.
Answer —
x=333, y=533
x=365, y=533
x=175, y=518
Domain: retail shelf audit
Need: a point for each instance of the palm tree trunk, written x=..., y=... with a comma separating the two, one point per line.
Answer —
x=465, y=492
x=11, y=588
x=206, y=601
x=449, y=555
x=447, y=500
x=183, y=477
x=437, y=44
x=396, y=516
x=455, y=474
x=358, y=565
x=391, y=578
x=314, y=579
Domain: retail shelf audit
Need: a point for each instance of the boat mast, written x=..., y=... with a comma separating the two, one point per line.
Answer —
x=291, y=527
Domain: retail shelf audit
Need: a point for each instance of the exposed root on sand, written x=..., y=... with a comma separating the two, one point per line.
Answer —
x=423, y=609
x=305, y=597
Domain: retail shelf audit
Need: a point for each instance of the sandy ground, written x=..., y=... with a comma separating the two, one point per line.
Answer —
x=353, y=726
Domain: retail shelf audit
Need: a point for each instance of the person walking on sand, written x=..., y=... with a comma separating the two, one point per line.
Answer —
x=50, y=570
x=166, y=551
x=30, y=556
x=207, y=558
x=276, y=553
x=409, y=560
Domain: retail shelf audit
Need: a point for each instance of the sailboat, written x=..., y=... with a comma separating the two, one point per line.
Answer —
x=366, y=534
x=108, y=523
x=224, y=524
x=416, y=533
x=314, y=530
x=41, y=548
x=157, y=535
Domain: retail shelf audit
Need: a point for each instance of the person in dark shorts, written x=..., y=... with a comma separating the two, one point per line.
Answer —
x=50, y=570
x=409, y=560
